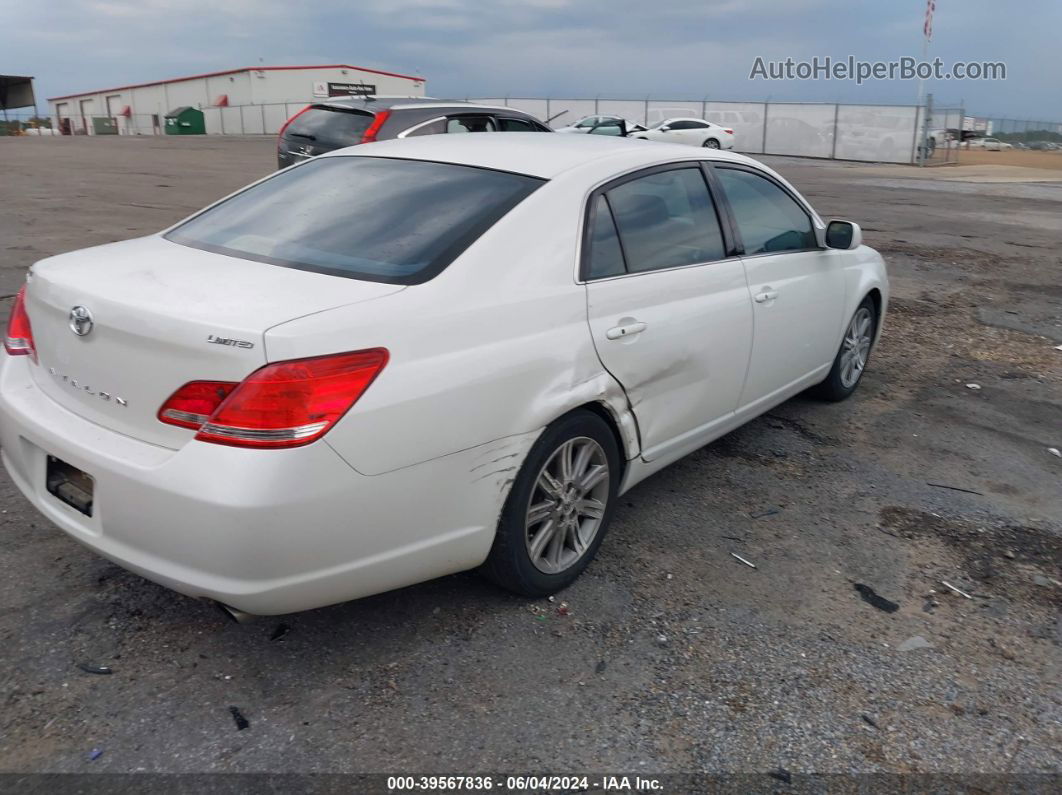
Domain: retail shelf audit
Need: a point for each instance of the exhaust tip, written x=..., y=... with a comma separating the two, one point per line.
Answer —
x=235, y=614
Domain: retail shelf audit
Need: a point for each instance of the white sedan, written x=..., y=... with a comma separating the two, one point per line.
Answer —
x=411, y=358
x=692, y=132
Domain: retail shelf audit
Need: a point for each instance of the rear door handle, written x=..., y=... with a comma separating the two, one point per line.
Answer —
x=619, y=332
x=766, y=295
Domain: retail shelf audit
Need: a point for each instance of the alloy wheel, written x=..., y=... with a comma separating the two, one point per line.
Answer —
x=856, y=347
x=567, y=505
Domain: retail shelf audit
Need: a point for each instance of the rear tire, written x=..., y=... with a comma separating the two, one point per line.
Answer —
x=854, y=355
x=711, y=143
x=559, y=508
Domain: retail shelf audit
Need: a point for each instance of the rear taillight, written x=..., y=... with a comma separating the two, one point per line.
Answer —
x=19, y=338
x=373, y=129
x=289, y=121
x=194, y=403
x=286, y=404
x=728, y=131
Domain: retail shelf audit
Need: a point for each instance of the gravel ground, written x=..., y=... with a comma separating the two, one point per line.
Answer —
x=669, y=654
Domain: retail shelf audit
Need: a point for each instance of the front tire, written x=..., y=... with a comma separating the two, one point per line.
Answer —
x=851, y=360
x=711, y=143
x=559, y=507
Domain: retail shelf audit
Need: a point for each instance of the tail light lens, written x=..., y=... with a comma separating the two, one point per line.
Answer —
x=194, y=403
x=374, y=129
x=19, y=338
x=728, y=131
x=286, y=404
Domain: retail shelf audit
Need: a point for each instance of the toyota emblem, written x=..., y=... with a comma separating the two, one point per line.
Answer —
x=80, y=320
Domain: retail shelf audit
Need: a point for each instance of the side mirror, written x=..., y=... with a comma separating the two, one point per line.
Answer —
x=844, y=235
x=665, y=128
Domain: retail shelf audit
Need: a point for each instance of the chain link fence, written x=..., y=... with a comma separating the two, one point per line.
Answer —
x=872, y=133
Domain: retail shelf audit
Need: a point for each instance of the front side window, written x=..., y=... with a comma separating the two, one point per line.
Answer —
x=608, y=127
x=768, y=219
x=666, y=220
x=590, y=121
x=373, y=218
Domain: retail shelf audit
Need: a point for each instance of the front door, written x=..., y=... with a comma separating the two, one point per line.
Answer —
x=669, y=311
x=797, y=288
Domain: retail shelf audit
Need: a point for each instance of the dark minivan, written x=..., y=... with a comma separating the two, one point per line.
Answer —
x=334, y=123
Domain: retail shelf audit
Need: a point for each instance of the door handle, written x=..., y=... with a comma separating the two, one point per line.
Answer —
x=619, y=332
x=766, y=295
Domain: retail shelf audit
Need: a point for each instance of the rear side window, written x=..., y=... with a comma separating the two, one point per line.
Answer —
x=516, y=125
x=606, y=256
x=470, y=124
x=666, y=220
x=337, y=128
x=373, y=218
x=768, y=219
x=428, y=128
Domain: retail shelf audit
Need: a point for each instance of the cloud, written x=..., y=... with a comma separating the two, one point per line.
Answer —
x=669, y=48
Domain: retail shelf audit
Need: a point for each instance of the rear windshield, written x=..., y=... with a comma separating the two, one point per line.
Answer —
x=373, y=218
x=336, y=127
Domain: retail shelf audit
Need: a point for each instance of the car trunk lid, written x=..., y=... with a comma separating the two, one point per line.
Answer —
x=157, y=315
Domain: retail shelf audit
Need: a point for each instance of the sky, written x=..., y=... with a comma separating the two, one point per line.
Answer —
x=663, y=49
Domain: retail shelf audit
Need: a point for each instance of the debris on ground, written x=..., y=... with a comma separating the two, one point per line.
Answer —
x=872, y=598
x=92, y=668
x=869, y=721
x=954, y=488
x=914, y=642
x=563, y=609
x=734, y=538
x=973, y=386
x=661, y=640
x=280, y=632
x=1055, y=452
x=750, y=565
x=952, y=587
x=781, y=774
x=94, y=754
x=237, y=716
x=601, y=666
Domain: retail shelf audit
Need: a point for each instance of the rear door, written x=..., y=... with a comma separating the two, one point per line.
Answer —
x=797, y=288
x=669, y=310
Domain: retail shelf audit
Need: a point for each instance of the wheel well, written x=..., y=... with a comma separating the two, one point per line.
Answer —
x=606, y=415
x=875, y=298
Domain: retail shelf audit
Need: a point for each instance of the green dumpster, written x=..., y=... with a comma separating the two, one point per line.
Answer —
x=103, y=125
x=185, y=120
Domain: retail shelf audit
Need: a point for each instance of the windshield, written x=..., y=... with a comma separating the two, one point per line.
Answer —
x=373, y=218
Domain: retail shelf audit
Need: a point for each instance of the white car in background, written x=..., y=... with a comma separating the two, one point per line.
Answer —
x=405, y=359
x=615, y=126
x=689, y=131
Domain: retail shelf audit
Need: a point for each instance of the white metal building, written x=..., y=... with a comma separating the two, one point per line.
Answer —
x=238, y=101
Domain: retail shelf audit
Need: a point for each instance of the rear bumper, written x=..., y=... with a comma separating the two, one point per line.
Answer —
x=266, y=531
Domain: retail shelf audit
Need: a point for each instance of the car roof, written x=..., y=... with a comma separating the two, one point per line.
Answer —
x=378, y=103
x=534, y=154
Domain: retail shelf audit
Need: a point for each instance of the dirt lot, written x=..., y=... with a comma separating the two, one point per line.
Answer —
x=670, y=655
x=1012, y=157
